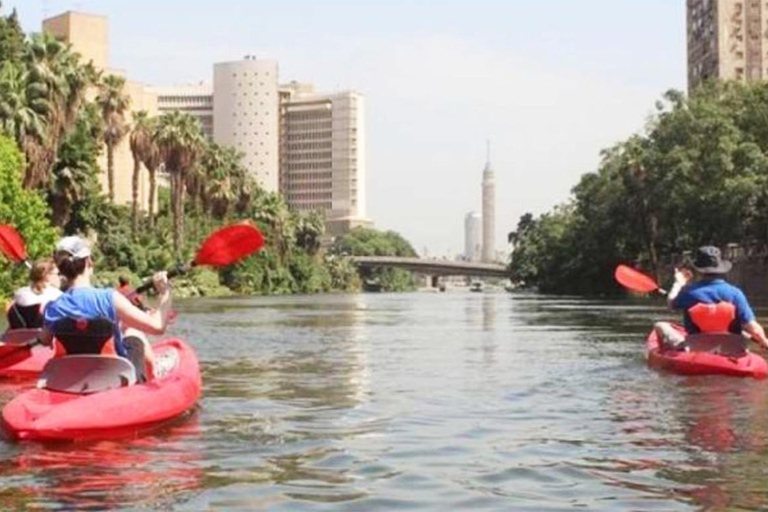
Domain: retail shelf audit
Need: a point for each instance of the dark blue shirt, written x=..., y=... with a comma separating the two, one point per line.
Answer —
x=712, y=291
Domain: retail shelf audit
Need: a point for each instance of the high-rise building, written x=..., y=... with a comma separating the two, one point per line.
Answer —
x=472, y=243
x=322, y=154
x=196, y=100
x=727, y=40
x=89, y=36
x=489, y=214
x=246, y=115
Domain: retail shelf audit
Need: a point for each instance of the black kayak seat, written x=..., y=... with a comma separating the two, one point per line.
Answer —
x=87, y=374
x=83, y=336
x=728, y=345
x=25, y=317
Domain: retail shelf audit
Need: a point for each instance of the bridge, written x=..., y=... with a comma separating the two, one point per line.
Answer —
x=434, y=267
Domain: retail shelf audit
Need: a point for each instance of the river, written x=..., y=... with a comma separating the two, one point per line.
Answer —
x=423, y=401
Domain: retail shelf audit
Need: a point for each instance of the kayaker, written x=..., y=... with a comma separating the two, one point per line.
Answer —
x=124, y=287
x=85, y=308
x=710, y=304
x=26, y=309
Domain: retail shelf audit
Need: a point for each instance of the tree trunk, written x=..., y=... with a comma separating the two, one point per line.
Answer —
x=177, y=190
x=135, y=192
x=111, y=171
x=152, y=189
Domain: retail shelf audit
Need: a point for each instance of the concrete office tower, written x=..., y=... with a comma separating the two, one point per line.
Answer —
x=472, y=243
x=196, y=100
x=322, y=155
x=727, y=40
x=489, y=214
x=89, y=36
x=246, y=115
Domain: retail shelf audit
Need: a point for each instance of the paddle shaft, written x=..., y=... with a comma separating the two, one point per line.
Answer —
x=172, y=272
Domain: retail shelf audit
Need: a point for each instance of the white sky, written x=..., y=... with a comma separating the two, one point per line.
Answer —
x=549, y=83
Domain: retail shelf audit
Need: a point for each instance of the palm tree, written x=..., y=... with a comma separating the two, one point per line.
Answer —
x=113, y=103
x=22, y=116
x=74, y=175
x=179, y=138
x=152, y=161
x=309, y=230
x=57, y=83
x=140, y=141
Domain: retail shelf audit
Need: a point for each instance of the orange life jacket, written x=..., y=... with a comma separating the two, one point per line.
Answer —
x=713, y=318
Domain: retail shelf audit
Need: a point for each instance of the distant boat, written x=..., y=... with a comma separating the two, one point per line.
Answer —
x=370, y=285
x=476, y=286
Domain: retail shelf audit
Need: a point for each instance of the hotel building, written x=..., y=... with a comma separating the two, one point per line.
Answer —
x=322, y=154
x=246, y=115
x=195, y=100
x=727, y=40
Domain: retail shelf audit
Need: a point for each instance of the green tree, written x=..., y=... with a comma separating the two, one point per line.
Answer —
x=25, y=210
x=114, y=103
x=142, y=150
x=179, y=138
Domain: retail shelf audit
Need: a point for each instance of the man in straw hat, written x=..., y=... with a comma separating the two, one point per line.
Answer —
x=710, y=304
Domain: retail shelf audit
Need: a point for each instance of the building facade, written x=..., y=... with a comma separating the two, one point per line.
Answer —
x=322, y=155
x=727, y=40
x=472, y=232
x=246, y=115
x=489, y=214
x=89, y=36
x=195, y=100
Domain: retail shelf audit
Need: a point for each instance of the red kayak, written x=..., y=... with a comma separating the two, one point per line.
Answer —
x=707, y=354
x=29, y=367
x=21, y=357
x=79, y=414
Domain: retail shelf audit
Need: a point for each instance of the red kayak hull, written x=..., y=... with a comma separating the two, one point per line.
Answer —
x=44, y=415
x=703, y=363
x=29, y=367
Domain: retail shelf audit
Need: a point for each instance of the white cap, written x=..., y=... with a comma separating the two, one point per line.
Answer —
x=74, y=245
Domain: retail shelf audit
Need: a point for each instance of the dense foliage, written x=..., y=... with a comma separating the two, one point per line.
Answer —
x=698, y=175
x=369, y=242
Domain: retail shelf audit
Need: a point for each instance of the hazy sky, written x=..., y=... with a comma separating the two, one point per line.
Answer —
x=549, y=83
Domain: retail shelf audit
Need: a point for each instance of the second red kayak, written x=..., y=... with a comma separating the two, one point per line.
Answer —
x=43, y=414
x=709, y=361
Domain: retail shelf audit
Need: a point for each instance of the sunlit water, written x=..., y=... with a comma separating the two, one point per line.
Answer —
x=463, y=401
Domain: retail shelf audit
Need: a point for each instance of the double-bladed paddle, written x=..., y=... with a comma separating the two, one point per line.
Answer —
x=223, y=247
x=637, y=281
x=12, y=245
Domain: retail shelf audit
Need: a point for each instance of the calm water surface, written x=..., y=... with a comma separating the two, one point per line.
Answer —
x=458, y=401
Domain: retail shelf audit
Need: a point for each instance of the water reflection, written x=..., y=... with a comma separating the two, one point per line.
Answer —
x=300, y=393
x=155, y=471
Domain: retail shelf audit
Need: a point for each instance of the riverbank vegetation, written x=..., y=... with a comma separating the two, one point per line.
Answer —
x=60, y=122
x=697, y=175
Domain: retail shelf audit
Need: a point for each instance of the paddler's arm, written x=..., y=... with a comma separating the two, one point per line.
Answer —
x=151, y=322
x=682, y=276
x=757, y=333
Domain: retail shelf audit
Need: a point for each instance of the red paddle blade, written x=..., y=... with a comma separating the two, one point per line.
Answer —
x=635, y=280
x=11, y=244
x=229, y=245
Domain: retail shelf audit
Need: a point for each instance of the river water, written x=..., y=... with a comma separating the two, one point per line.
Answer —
x=452, y=401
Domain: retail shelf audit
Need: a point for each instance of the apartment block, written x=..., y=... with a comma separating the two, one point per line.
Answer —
x=322, y=154
x=727, y=40
x=195, y=100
